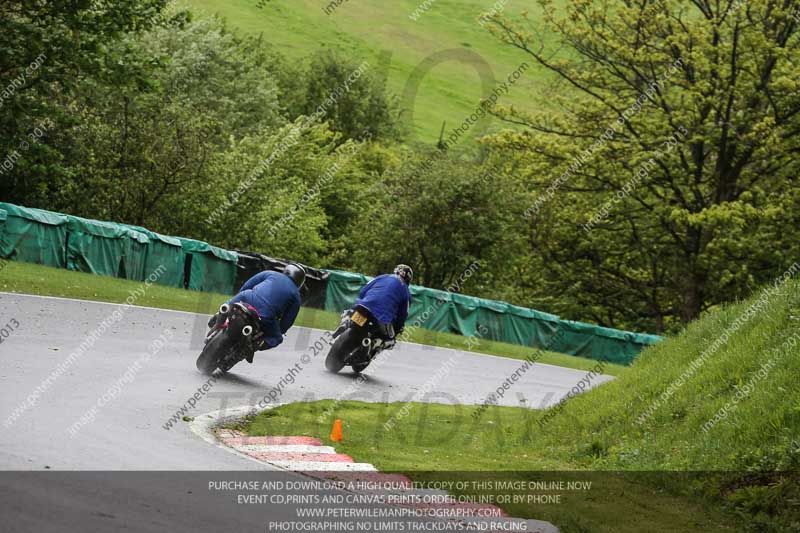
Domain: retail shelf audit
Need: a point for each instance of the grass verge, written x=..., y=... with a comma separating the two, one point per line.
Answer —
x=446, y=443
x=41, y=280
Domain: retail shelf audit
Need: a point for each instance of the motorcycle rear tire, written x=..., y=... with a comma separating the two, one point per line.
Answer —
x=212, y=353
x=342, y=347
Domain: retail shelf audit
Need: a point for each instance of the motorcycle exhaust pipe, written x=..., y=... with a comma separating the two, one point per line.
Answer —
x=247, y=330
x=224, y=308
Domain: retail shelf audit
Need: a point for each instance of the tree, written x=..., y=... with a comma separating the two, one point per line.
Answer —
x=262, y=194
x=349, y=96
x=439, y=220
x=166, y=102
x=48, y=49
x=669, y=155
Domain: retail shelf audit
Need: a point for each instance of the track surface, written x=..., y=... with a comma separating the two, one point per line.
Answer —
x=128, y=433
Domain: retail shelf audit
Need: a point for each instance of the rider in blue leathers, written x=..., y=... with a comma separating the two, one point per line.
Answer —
x=275, y=297
x=388, y=298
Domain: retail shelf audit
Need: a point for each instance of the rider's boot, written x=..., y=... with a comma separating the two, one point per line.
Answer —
x=342, y=323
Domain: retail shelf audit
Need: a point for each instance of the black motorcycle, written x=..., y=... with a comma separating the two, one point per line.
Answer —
x=359, y=339
x=233, y=337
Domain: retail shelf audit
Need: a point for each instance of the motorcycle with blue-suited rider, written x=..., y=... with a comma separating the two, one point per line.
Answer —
x=257, y=318
x=373, y=323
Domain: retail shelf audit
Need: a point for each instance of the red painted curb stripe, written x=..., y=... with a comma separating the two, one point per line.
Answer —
x=272, y=441
x=295, y=456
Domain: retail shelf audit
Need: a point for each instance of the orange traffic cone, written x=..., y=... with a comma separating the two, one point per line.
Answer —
x=336, y=432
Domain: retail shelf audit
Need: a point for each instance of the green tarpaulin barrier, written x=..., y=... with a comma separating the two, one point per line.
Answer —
x=135, y=256
x=113, y=249
x=343, y=290
x=136, y=253
x=499, y=321
x=210, y=269
x=33, y=236
x=613, y=345
x=3, y=217
x=105, y=248
x=164, y=258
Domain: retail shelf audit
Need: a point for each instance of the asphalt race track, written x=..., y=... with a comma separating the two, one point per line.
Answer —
x=127, y=432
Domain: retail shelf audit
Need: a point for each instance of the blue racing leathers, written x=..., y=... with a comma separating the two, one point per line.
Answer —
x=388, y=298
x=277, y=300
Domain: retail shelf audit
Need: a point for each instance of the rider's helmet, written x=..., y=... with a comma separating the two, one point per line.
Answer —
x=405, y=273
x=296, y=272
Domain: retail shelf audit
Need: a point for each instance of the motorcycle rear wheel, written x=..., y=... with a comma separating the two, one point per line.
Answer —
x=342, y=347
x=212, y=353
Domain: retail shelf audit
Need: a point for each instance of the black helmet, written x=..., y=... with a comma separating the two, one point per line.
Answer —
x=296, y=272
x=405, y=273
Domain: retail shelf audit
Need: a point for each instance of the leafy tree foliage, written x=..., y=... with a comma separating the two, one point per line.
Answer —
x=671, y=164
x=356, y=102
x=195, y=89
x=47, y=49
x=267, y=185
x=159, y=109
x=438, y=213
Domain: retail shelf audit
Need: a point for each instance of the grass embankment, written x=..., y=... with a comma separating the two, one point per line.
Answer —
x=665, y=414
x=366, y=28
x=47, y=281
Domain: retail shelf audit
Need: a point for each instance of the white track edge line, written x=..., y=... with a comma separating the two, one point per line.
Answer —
x=284, y=448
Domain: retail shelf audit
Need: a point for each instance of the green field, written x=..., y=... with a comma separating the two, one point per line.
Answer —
x=395, y=46
x=46, y=281
x=604, y=430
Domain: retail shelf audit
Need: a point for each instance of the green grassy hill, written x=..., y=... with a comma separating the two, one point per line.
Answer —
x=721, y=396
x=369, y=28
